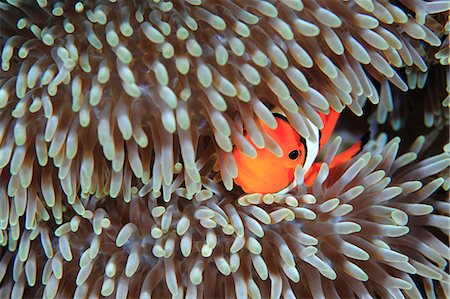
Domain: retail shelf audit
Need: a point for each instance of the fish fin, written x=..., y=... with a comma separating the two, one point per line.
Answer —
x=351, y=151
x=287, y=189
x=340, y=159
x=329, y=123
x=312, y=173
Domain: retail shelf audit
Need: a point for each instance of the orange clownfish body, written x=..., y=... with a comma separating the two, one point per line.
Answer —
x=267, y=173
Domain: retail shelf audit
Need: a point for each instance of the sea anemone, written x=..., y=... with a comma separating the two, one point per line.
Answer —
x=117, y=124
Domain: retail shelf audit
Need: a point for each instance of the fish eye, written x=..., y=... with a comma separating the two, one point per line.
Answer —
x=294, y=154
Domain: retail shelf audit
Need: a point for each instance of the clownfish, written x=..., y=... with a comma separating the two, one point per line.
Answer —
x=267, y=173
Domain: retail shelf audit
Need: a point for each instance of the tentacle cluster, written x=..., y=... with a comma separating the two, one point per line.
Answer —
x=132, y=81
x=117, y=120
x=361, y=230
